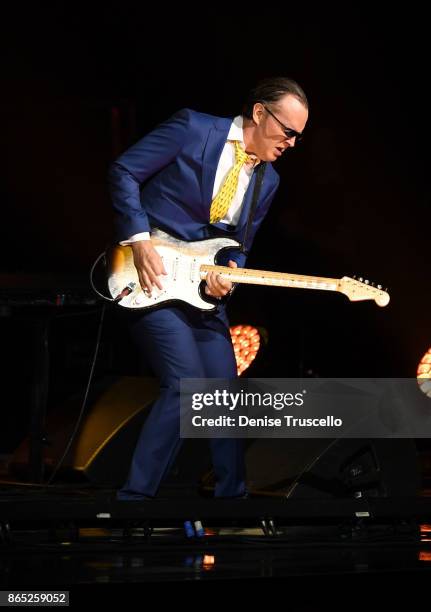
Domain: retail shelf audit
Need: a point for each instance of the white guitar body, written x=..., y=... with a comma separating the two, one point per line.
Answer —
x=182, y=261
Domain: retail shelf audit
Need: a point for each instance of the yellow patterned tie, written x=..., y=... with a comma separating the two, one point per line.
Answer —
x=221, y=203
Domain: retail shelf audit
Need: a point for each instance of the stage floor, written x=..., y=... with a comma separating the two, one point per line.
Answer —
x=70, y=537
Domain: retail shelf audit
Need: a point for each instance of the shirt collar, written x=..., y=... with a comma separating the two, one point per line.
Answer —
x=236, y=133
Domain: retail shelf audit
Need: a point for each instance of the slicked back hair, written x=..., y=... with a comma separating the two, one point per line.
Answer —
x=271, y=90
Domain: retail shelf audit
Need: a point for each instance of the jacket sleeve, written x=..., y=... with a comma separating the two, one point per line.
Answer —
x=141, y=161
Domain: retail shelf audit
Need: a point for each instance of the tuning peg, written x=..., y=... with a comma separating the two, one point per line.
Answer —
x=366, y=281
x=379, y=286
x=360, y=279
x=354, y=276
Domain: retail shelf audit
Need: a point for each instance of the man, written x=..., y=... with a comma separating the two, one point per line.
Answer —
x=198, y=175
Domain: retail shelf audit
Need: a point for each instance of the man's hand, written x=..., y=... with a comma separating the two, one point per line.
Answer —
x=148, y=264
x=218, y=287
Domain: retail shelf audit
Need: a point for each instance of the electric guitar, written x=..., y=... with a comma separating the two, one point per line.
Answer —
x=187, y=264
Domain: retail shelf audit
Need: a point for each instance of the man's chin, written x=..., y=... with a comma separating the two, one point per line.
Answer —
x=269, y=157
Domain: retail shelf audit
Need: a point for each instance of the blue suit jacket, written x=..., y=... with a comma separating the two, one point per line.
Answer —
x=166, y=180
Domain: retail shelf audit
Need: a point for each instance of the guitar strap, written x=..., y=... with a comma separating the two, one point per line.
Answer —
x=256, y=191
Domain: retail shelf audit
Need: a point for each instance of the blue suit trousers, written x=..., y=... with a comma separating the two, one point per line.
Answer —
x=181, y=342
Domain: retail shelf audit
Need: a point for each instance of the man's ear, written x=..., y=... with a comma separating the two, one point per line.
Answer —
x=258, y=111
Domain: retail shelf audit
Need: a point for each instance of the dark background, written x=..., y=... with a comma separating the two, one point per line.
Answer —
x=80, y=84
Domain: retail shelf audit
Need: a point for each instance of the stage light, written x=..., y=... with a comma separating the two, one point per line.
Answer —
x=208, y=562
x=424, y=373
x=424, y=555
x=246, y=343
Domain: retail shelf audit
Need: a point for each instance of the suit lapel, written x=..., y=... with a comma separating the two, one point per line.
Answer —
x=213, y=149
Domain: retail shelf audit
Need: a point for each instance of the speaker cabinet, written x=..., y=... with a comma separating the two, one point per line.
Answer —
x=105, y=440
x=331, y=468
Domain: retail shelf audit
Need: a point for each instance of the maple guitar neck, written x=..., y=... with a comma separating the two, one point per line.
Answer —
x=277, y=279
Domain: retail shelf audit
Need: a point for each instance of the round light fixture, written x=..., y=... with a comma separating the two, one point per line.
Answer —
x=246, y=343
x=424, y=373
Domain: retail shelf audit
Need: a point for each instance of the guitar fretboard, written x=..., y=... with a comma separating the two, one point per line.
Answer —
x=263, y=277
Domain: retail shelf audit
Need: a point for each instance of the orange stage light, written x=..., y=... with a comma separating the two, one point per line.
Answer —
x=246, y=343
x=423, y=373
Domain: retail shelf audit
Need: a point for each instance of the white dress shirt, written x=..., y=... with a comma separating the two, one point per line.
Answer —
x=227, y=160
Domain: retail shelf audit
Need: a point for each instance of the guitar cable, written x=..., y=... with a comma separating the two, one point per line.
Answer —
x=92, y=368
x=126, y=291
x=84, y=401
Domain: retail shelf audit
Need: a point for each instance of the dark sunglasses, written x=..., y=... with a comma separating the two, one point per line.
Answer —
x=289, y=133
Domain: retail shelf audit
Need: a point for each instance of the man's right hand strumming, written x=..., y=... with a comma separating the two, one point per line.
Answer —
x=148, y=264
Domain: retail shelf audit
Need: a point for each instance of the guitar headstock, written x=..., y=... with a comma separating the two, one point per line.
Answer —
x=359, y=289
